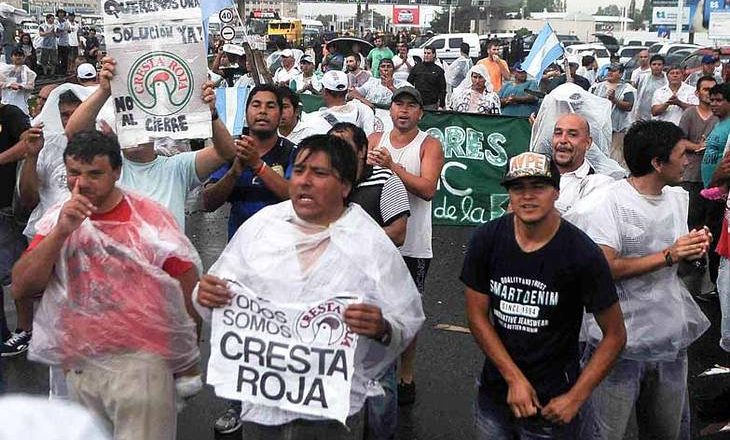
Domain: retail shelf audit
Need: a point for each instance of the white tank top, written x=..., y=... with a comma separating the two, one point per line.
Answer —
x=418, y=231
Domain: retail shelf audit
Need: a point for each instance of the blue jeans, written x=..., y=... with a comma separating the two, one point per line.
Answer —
x=657, y=390
x=382, y=411
x=495, y=421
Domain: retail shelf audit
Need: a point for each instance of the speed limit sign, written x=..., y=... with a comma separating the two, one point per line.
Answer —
x=227, y=33
x=226, y=15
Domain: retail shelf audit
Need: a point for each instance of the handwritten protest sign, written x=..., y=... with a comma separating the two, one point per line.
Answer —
x=297, y=357
x=161, y=66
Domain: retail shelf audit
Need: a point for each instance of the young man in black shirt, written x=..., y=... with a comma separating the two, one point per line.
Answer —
x=428, y=78
x=533, y=273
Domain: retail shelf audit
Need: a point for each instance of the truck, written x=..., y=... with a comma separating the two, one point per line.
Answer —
x=289, y=30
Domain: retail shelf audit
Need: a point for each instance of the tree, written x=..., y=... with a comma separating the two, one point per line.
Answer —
x=461, y=17
x=609, y=10
x=542, y=5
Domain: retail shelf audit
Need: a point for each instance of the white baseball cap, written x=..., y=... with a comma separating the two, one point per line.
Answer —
x=86, y=71
x=287, y=53
x=335, y=80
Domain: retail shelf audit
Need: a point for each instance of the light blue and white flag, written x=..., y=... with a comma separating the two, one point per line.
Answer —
x=231, y=105
x=545, y=51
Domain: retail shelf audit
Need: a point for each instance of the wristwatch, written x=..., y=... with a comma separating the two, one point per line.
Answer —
x=386, y=337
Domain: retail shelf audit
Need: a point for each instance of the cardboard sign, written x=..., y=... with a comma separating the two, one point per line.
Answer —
x=161, y=66
x=297, y=357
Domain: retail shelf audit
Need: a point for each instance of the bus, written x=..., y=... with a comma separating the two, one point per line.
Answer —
x=290, y=30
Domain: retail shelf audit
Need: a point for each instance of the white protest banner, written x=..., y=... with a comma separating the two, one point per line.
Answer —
x=161, y=66
x=297, y=357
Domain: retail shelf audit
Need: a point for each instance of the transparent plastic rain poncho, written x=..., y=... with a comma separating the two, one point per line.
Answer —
x=267, y=253
x=108, y=294
x=570, y=98
x=461, y=96
x=51, y=117
x=457, y=71
x=660, y=315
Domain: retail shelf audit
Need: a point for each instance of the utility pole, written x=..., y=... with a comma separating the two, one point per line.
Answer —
x=241, y=4
x=680, y=20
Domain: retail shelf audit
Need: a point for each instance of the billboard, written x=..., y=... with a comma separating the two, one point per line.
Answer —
x=668, y=15
x=406, y=15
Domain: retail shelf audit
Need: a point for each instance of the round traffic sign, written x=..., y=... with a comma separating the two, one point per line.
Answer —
x=227, y=33
x=226, y=15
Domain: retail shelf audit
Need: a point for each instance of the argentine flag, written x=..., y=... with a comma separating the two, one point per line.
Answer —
x=545, y=51
x=231, y=105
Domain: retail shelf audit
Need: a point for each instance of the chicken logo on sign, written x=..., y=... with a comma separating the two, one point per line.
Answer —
x=161, y=83
x=323, y=325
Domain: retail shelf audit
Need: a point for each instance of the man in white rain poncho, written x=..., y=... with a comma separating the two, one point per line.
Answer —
x=17, y=81
x=475, y=94
x=570, y=98
x=647, y=85
x=640, y=223
x=621, y=95
x=307, y=250
x=117, y=275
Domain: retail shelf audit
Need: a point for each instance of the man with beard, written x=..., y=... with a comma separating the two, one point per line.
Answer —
x=356, y=75
x=571, y=139
x=378, y=91
x=429, y=80
x=416, y=158
x=377, y=54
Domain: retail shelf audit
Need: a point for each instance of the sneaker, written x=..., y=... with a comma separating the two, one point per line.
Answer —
x=406, y=393
x=229, y=421
x=16, y=344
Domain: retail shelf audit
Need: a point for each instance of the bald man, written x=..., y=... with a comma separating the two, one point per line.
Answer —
x=571, y=139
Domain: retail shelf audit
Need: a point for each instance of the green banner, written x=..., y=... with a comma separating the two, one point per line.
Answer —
x=476, y=149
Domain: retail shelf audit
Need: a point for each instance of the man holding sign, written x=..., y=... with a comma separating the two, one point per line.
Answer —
x=312, y=303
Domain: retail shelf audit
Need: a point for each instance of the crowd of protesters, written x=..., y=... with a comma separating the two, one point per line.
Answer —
x=574, y=296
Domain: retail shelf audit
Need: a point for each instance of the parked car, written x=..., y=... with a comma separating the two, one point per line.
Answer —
x=667, y=48
x=568, y=40
x=448, y=47
x=576, y=52
x=693, y=61
x=628, y=52
x=635, y=42
x=609, y=42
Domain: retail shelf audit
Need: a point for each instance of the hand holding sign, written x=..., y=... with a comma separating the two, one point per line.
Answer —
x=366, y=320
x=108, y=65
x=209, y=94
x=213, y=292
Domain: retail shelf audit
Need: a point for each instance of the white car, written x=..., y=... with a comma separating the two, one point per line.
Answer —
x=669, y=48
x=628, y=52
x=405, y=16
x=576, y=52
x=448, y=47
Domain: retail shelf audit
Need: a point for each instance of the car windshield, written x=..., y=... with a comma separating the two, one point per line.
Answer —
x=631, y=52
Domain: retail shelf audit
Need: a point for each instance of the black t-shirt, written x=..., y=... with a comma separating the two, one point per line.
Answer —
x=13, y=122
x=232, y=74
x=537, y=301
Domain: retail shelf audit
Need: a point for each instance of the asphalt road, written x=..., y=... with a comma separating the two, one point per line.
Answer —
x=448, y=361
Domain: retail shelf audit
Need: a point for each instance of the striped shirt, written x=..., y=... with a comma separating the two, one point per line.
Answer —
x=382, y=195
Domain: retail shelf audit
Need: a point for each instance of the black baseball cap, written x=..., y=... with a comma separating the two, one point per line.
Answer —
x=410, y=91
